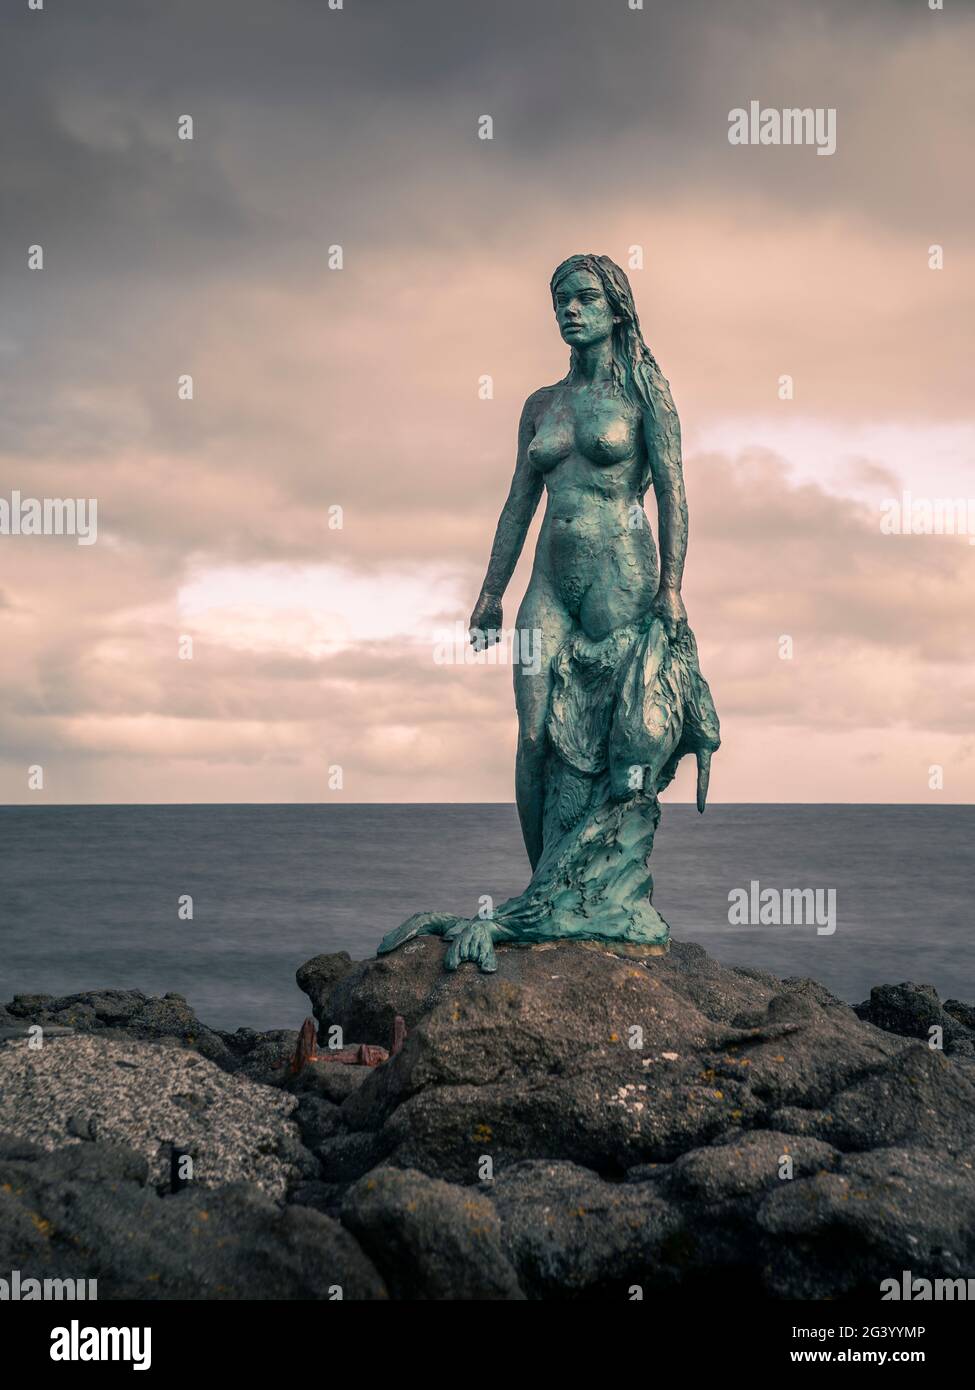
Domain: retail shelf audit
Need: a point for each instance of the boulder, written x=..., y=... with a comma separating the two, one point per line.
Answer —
x=151, y=1096
x=914, y=1010
x=569, y=1233
x=604, y=1058
x=319, y=976
x=878, y=1213
x=268, y=1059
x=430, y=1239
x=87, y=1213
x=962, y=1013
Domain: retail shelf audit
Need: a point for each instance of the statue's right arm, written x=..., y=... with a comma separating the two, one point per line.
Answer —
x=517, y=512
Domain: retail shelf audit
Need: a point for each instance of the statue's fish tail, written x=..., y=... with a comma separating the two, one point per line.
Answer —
x=420, y=924
x=703, y=777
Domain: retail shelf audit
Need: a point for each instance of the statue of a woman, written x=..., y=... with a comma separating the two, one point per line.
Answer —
x=619, y=697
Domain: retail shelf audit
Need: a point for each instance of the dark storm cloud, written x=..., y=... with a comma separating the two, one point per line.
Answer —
x=358, y=126
x=298, y=107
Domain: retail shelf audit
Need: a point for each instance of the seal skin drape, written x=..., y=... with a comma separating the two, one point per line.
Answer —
x=622, y=697
x=624, y=711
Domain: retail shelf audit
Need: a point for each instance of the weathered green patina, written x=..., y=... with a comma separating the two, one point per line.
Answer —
x=619, y=697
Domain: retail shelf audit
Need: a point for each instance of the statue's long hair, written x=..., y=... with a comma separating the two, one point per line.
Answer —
x=636, y=375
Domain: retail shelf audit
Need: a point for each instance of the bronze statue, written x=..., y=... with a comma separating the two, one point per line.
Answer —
x=619, y=697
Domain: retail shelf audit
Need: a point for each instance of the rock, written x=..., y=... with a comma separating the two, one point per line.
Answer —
x=13, y=1146
x=268, y=1059
x=844, y=1232
x=915, y=1098
x=346, y=1156
x=568, y=1232
x=98, y=1007
x=150, y=1096
x=241, y=1042
x=172, y=1017
x=318, y=1120
x=82, y=1126
x=430, y=1239
x=85, y=1163
x=330, y=1080
x=325, y=1197
x=319, y=976
x=302, y=1164
x=535, y=1062
x=913, y=1010
x=126, y=1010
x=29, y=1005
x=744, y=1165
x=25, y=1030
x=962, y=1013
x=366, y=999
x=86, y=1213
x=839, y=1225
x=112, y=1007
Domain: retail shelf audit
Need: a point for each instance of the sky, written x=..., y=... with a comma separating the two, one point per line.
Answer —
x=319, y=515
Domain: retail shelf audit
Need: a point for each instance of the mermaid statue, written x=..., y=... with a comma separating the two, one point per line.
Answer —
x=618, y=697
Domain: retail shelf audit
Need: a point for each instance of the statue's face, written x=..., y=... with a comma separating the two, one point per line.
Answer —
x=583, y=312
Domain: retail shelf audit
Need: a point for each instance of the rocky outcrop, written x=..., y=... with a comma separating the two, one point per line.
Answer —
x=88, y=1212
x=659, y=1121
x=585, y=1122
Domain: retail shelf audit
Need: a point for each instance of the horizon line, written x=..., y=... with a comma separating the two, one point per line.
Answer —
x=346, y=805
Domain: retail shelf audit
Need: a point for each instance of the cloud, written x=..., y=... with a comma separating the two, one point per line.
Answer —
x=874, y=620
x=359, y=388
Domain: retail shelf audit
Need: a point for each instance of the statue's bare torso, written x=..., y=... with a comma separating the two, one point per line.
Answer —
x=595, y=554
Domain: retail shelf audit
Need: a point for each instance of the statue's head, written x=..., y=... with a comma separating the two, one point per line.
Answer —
x=593, y=301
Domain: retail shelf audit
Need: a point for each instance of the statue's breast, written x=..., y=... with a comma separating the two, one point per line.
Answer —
x=605, y=438
x=603, y=433
x=553, y=443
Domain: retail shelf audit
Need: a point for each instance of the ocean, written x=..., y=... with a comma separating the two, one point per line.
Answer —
x=90, y=895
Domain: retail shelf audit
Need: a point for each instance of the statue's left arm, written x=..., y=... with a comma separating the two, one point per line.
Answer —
x=662, y=433
x=661, y=429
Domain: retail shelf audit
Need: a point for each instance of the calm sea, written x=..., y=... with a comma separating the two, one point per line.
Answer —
x=89, y=895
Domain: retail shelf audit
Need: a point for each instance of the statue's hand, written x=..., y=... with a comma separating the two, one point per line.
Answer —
x=472, y=941
x=668, y=606
x=486, y=622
